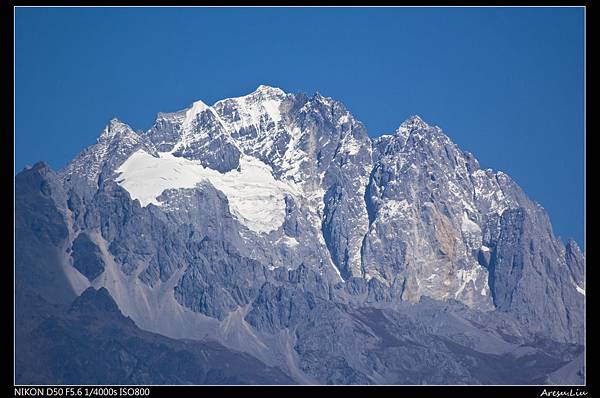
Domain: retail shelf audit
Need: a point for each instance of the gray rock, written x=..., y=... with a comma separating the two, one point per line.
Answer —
x=87, y=258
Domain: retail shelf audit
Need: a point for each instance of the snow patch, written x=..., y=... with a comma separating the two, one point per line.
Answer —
x=256, y=199
x=272, y=109
x=253, y=107
x=351, y=146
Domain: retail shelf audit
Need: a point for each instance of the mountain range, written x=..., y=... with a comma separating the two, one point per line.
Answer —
x=268, y=239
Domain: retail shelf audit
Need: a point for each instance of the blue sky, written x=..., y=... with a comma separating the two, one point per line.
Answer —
x=506, y=84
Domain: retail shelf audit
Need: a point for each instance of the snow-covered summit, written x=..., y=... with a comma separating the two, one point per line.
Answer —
x=269, y=90
x=113, y=128
x=192, y=112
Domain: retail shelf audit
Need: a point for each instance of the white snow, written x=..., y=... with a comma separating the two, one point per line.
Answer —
x=351, y=146
x=252, y=107
x=293, y=157
x=269, y=89
x=344, y=119
x=337, y=271
x=272, y=109
x=256, y=199
x=579, y=289
x=190, y=114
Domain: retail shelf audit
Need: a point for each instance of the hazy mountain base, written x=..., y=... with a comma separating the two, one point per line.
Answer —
x=93, y=343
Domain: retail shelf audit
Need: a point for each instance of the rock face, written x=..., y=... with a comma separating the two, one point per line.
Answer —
x=273, y=224
x=87, y=258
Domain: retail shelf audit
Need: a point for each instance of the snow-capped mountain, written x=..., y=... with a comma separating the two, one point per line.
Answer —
x=273, y=224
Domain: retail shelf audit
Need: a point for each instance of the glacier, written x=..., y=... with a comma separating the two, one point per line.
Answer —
x=255, y=197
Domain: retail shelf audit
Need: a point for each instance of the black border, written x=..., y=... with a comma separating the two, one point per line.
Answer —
x=322, y=391
x=7, y=108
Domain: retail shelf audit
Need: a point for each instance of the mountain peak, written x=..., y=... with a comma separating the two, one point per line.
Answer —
x=40, y=165
x=196, y=108
x=263, y=88
x=414, y=122
x=320, y=98
x=414, y=125
x=116, y=123
x=114, y=127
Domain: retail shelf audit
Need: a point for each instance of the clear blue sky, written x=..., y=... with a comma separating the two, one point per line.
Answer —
x=504, y=83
